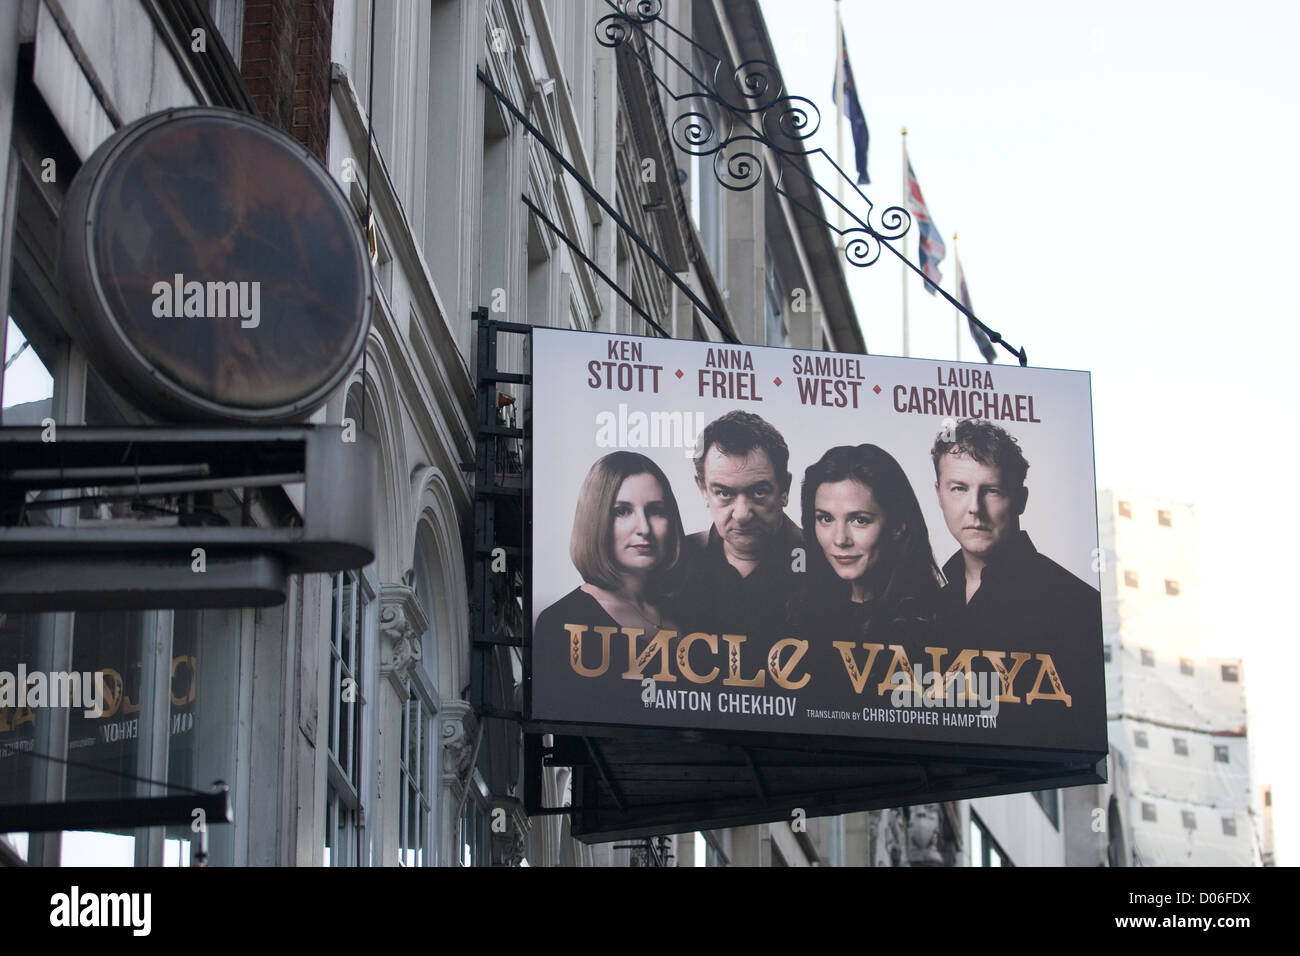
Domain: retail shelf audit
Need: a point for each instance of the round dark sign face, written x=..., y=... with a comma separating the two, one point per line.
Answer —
x=215, y=268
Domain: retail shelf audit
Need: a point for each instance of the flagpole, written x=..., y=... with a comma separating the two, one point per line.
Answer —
x=906, y=352
x=841, y=105
x=956, y=316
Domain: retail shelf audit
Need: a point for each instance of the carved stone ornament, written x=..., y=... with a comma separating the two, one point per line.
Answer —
x=401, y=625
x=888, y=838
x=925, y=834
x=510, y=847
x=459, y=726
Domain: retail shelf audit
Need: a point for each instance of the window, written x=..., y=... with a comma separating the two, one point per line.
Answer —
x=1268, y=797
x=1221, y=753
x=476, y=825
x=706, y=192
x=1180, y=746
x=774, y=312
x=1229, y=672
x=1189, y=820
x=349, y=602
x=1185, y=666
x=1140, y=738
x=415, y=823
x=1148, y=658
x=1171, y=588
x=26, y=386
x=1130, y=579
x=1125, y=509
x=1229, y=826
x=417, y=846
x=1106, y=652
x=1149, y=812
x=984, y=850
x=1166, y=520
x=228, y=15
x=1047, y=799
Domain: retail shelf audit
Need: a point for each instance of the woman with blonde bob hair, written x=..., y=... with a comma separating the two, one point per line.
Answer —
x=626, y=542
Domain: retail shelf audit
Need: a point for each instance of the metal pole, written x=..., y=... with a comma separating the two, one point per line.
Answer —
x=906, y=202
x=956, y=316
x=839, y=116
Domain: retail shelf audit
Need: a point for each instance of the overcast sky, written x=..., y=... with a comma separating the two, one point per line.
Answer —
x=1122, y=177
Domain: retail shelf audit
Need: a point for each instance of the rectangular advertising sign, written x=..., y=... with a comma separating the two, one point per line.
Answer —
x=772, y=540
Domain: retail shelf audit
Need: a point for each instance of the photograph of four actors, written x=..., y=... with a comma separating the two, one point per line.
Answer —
x=859, y=569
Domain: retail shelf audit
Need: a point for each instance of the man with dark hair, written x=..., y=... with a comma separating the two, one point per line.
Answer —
x=740, y=571
x=1001, y=592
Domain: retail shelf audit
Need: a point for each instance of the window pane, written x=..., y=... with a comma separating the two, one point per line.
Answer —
x=83, y=848
x=108, y=747
x=28, y=385
x=22, y=728
x=204, y=694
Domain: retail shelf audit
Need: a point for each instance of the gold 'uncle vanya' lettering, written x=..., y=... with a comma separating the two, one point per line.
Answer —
x=783, y=674
x=960, y=666
x=660, y=646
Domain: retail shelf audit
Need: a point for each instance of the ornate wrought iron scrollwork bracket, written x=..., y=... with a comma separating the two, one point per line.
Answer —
x=731, y=118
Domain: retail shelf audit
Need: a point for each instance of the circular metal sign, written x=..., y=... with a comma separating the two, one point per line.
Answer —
x=214, y=269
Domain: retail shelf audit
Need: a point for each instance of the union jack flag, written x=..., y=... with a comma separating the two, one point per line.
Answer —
x=932, y=249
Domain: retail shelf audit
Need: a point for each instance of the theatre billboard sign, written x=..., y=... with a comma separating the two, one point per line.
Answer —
x=771, y=543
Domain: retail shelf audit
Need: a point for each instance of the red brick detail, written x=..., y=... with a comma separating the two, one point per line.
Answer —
x=286, y=65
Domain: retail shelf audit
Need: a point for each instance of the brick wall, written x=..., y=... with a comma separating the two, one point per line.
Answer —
x=286, y=64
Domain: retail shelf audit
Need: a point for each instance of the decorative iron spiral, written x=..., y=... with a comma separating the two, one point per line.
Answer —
x=694, y=133
x=861, y=248
x=612, y=30
x=756, y=81
x=642, y=11
x=739, y=170
x=792, y=119
x=894, y=222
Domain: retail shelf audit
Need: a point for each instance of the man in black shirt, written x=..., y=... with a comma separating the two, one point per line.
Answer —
x=1002, y=595
x=739, y=573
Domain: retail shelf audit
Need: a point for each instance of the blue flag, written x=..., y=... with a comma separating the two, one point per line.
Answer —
x=857, y=121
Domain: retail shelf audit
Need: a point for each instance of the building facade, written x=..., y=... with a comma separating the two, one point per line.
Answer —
x=1179, y=792
x=342, y=720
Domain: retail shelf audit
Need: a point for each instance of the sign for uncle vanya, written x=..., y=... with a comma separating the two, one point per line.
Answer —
x=761, y=539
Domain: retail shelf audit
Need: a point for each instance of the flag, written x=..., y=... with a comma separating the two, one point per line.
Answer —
x=857, y=120
x=932, y=249
x=982, y=340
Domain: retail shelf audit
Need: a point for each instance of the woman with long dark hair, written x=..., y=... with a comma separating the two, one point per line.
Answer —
x=871, y=575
